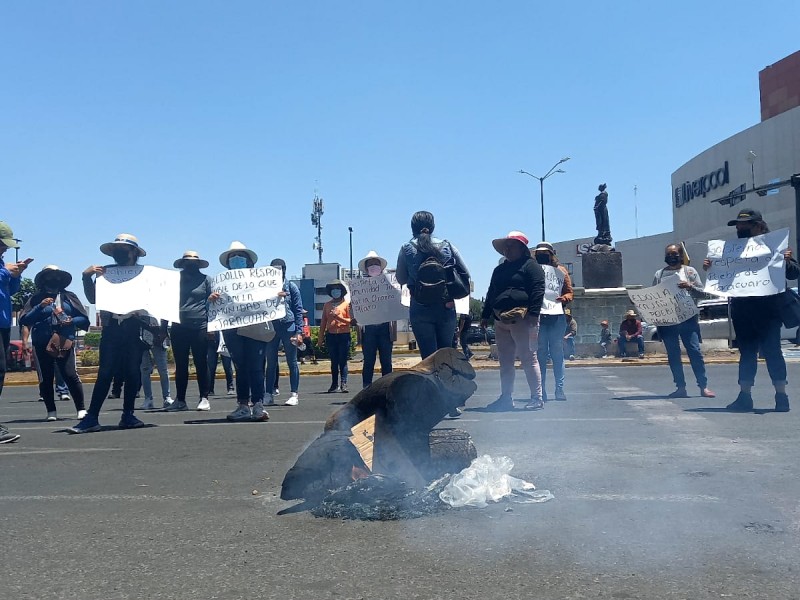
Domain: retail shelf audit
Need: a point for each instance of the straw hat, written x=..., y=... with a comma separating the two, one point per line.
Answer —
x=62, y=278
x=631, y=313
x=190, y=256
x=371, y=255
x=237, y=247
x=545, y=247
x=501, y=243
x=336, y=283
x=122, y=240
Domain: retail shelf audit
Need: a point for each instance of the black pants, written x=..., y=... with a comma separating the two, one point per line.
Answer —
x=120, y=350
x=184, y=340
x=5, y=337
x=339, y=348
x=377, y=339
x=213, y=358
x=47, y=366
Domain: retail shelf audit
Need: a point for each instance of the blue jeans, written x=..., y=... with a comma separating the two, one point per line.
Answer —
x=283, y=333
x=248, y=358
x=551, y=343
x=570, y=344
x=687, y=332
x=338, y=348
x=375, y=339
x=757, y=329
x=621, y=341
x=156, y=356
x=433, y=326
x=120, y=352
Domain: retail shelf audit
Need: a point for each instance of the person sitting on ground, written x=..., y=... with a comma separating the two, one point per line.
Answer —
x=569, y=334
x=630, y=330
x=605, y=338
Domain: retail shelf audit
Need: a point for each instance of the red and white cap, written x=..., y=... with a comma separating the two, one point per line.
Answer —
x=501, y=243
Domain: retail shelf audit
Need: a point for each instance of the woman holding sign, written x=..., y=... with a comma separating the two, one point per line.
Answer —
x=552, y=322
x=377, y=338
x=687, y=332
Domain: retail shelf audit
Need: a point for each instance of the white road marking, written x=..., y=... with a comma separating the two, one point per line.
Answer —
x=55, y=451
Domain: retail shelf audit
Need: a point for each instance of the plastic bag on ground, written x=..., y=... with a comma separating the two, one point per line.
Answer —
x=487, y=480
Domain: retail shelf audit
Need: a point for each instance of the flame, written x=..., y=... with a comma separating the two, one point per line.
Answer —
x=359, y=473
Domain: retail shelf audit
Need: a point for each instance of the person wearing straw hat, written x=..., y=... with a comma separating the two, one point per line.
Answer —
x=514, y=300
x=334, y=332
x=605, y=338
x=191, y=333
x=53, y=309
x=630, y=330
x=9, y=285
x=377, y=338
x=121, y=346
x=248, y=354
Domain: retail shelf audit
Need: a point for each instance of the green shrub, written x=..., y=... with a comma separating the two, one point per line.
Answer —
x=323, y=352
x=92, y=339
x=89, y=358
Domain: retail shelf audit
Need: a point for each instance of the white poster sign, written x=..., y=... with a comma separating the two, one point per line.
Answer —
x=376, y=300
x=462, y=305
x=665, y=303
x=748, y=266
x=553, y=284
x=122, y=290
x=247, y=297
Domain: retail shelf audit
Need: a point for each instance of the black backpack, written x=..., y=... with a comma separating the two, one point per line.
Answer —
x=431, y=287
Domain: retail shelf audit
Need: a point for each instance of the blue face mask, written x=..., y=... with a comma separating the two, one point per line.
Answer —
x=335, y=294
x=237, y=262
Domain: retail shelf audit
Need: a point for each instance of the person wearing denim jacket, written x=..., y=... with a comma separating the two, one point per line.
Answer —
x=54, y=309
x=288, y=330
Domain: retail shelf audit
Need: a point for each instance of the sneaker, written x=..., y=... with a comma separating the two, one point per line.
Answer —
x=572, y=357
x=679, y=393
x=269, y=400
x=276, y=392
x=6, y=437
x=41, y=399
x=781, y=402
x=259, y=414
x=535, y=404
x=560, y=395
x=177, y=406
x=147, y=404
x=707, y=393
x=343, y=388
x=87, y=424
x=455, y=413
x=81, y=414
x=743, y=403
x=52, y=416
x=641, y=354
x=242, y=413
x=65, y=397
x=168, y=401
x=293, y=400
x=113, y=396
x=129, y=421
x=231, y=391
x=502, y=404
x=333, y=389
x=204, y=404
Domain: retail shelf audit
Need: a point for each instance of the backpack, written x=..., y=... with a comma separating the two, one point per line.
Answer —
x=439, y=282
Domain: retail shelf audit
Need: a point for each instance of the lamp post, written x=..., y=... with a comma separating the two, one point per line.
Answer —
x=552, y=171
x=350, y=229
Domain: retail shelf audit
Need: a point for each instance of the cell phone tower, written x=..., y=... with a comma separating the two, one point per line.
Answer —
x=316, y=220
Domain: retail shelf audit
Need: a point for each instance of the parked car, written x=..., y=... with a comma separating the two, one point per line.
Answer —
x=15, y=357
x=475, y=335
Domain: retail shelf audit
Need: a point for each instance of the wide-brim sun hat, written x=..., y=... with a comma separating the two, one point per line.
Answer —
x=125, y=240
x=545, y=247
x=190, y=257
x=62, y=278
x=336, y=283
x=371, y=255
x=631, y=313
x=501, y=243
x=237, y=247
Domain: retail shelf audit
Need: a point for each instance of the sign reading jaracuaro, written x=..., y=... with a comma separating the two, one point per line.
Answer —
x=748, y=266
x=246, y=297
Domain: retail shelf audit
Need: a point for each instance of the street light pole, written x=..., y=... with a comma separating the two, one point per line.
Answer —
x=552, y=171
x=350, y=229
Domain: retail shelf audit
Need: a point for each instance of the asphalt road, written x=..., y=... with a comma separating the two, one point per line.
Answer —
x=654, y=498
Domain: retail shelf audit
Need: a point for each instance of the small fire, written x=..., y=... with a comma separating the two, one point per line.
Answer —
x=359, y=473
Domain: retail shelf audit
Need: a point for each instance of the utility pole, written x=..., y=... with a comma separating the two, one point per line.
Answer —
x=635, y=211
x=316, y=220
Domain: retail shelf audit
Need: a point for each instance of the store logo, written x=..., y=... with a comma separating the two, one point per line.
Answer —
x=701, y=186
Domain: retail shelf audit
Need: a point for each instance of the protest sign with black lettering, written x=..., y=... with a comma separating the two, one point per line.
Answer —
x=748, y=266
x=553, y=284
x=665, y=303
x=246, y=297
x=376, y=299
x=154, y=290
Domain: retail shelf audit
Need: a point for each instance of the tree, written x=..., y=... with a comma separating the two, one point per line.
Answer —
x=475, y=308
x=26, y=290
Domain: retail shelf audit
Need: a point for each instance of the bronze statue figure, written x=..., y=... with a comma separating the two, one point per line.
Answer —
x=601, y=217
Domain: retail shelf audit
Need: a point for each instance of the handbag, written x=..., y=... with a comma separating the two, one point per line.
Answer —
x=512, y=315
x=59, y=345
x=789, y=308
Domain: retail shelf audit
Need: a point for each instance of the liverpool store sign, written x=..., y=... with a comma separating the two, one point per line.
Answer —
x=701, y=186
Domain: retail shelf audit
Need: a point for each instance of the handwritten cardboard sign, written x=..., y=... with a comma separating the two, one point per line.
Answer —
x=376, y=299
x=665, y=303
x=247, y=297
x=154, y=290
x=553, y=284
x=748, y=266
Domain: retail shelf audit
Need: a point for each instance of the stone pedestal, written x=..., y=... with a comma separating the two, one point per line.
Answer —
x=602, y=270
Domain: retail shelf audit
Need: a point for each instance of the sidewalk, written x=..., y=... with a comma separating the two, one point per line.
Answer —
x=403, y=360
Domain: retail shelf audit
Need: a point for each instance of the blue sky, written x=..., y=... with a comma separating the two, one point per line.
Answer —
x=192, y=124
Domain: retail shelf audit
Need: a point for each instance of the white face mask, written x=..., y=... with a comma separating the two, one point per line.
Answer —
x=335, y=294
x=374, y=270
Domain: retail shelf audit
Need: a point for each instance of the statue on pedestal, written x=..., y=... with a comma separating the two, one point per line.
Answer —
x=601, y=217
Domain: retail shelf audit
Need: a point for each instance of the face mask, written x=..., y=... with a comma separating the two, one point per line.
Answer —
x=191, y=267
x=543, y=259
x=335, y=294
x=374, y=270
x=744, y=233
x=672, y=260
x=121, y=256
x=237, y=262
